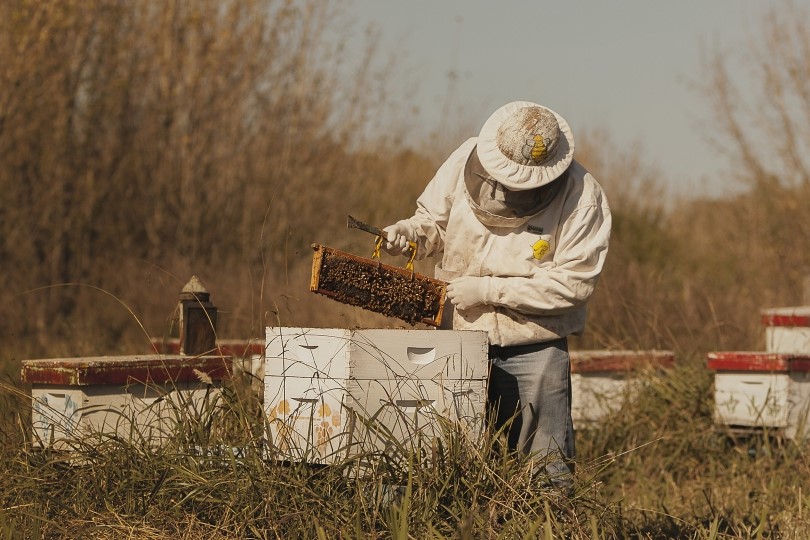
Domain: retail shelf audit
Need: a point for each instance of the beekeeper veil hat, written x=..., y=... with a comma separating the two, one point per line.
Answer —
x=524, y=145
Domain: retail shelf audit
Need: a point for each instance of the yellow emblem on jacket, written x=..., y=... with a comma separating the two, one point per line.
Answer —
x=540, y=248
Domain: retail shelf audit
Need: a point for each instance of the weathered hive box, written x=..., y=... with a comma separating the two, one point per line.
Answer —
x=337, y=393
x=761, y=390
x=247, y=355
x=602, y=380
x=131, y=396
x=787, y=330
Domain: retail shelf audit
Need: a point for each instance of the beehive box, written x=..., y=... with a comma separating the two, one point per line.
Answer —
x=602, y=380
x=123, y=395
x=787, y=330
x=761, y=390
x=247, y=356
x=337, y=393
x=372, y=285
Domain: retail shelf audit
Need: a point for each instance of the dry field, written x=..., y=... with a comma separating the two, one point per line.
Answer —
x=140, y=145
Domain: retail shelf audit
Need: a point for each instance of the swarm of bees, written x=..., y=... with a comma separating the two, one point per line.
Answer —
x=377, y=287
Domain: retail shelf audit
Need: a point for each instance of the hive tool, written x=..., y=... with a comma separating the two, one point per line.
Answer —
x=354, y=223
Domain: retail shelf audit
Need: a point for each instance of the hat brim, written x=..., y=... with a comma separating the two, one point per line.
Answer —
x=514, y=175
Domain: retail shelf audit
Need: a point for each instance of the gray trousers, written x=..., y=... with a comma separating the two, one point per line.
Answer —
x=530, y=400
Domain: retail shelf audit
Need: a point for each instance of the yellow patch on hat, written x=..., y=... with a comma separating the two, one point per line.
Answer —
x=539, y=149
x=540, y=248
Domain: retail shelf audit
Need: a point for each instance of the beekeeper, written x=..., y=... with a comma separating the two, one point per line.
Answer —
x=522, y=229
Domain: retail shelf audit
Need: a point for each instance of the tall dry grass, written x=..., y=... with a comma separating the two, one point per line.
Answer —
x=656, y=469
x=141, y=143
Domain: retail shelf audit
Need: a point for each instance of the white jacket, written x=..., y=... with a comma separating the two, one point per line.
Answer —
x=538, y=272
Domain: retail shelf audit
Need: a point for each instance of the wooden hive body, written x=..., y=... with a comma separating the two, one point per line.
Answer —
x=601, y=381
x=130, y=396
x=787, y=330
x=754, y=389
x=333, y=393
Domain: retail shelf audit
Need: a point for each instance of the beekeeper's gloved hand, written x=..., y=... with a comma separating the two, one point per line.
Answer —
x=468, y=291
x=397, y=237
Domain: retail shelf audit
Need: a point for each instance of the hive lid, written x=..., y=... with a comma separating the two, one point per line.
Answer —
x=115, y=370
x=758, y=361
x=788, y=316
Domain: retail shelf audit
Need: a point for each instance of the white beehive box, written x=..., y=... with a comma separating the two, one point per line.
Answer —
x=336, y=393
x=761, y=390
x=787, y=330
x=601, y=381
x=129, y=396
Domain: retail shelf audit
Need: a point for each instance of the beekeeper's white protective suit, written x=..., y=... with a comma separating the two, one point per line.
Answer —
x=533, y=274
x=522, y=229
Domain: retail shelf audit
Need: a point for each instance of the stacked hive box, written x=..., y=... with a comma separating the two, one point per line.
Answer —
x=787, y=330
x=128, y=396
x=331, y=394
x=769, y=389
x=761, y=390
x=601, y=381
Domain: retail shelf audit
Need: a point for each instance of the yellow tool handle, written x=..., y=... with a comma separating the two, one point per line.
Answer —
x=412, y=248
x=354, y=223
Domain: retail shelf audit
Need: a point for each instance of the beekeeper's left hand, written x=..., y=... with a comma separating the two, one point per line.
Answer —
x=468, y=291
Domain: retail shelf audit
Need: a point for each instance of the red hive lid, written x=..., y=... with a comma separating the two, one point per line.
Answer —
x=120, y=370
x=791, y=316
x=619, y=361
x=758, y=361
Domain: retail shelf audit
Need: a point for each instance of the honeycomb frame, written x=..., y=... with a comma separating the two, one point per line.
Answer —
x=374, y=286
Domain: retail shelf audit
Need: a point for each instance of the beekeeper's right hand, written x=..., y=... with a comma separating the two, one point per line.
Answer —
x=397, y=238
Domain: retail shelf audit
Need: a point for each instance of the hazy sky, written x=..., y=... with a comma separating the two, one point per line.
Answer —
x=624, y=66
